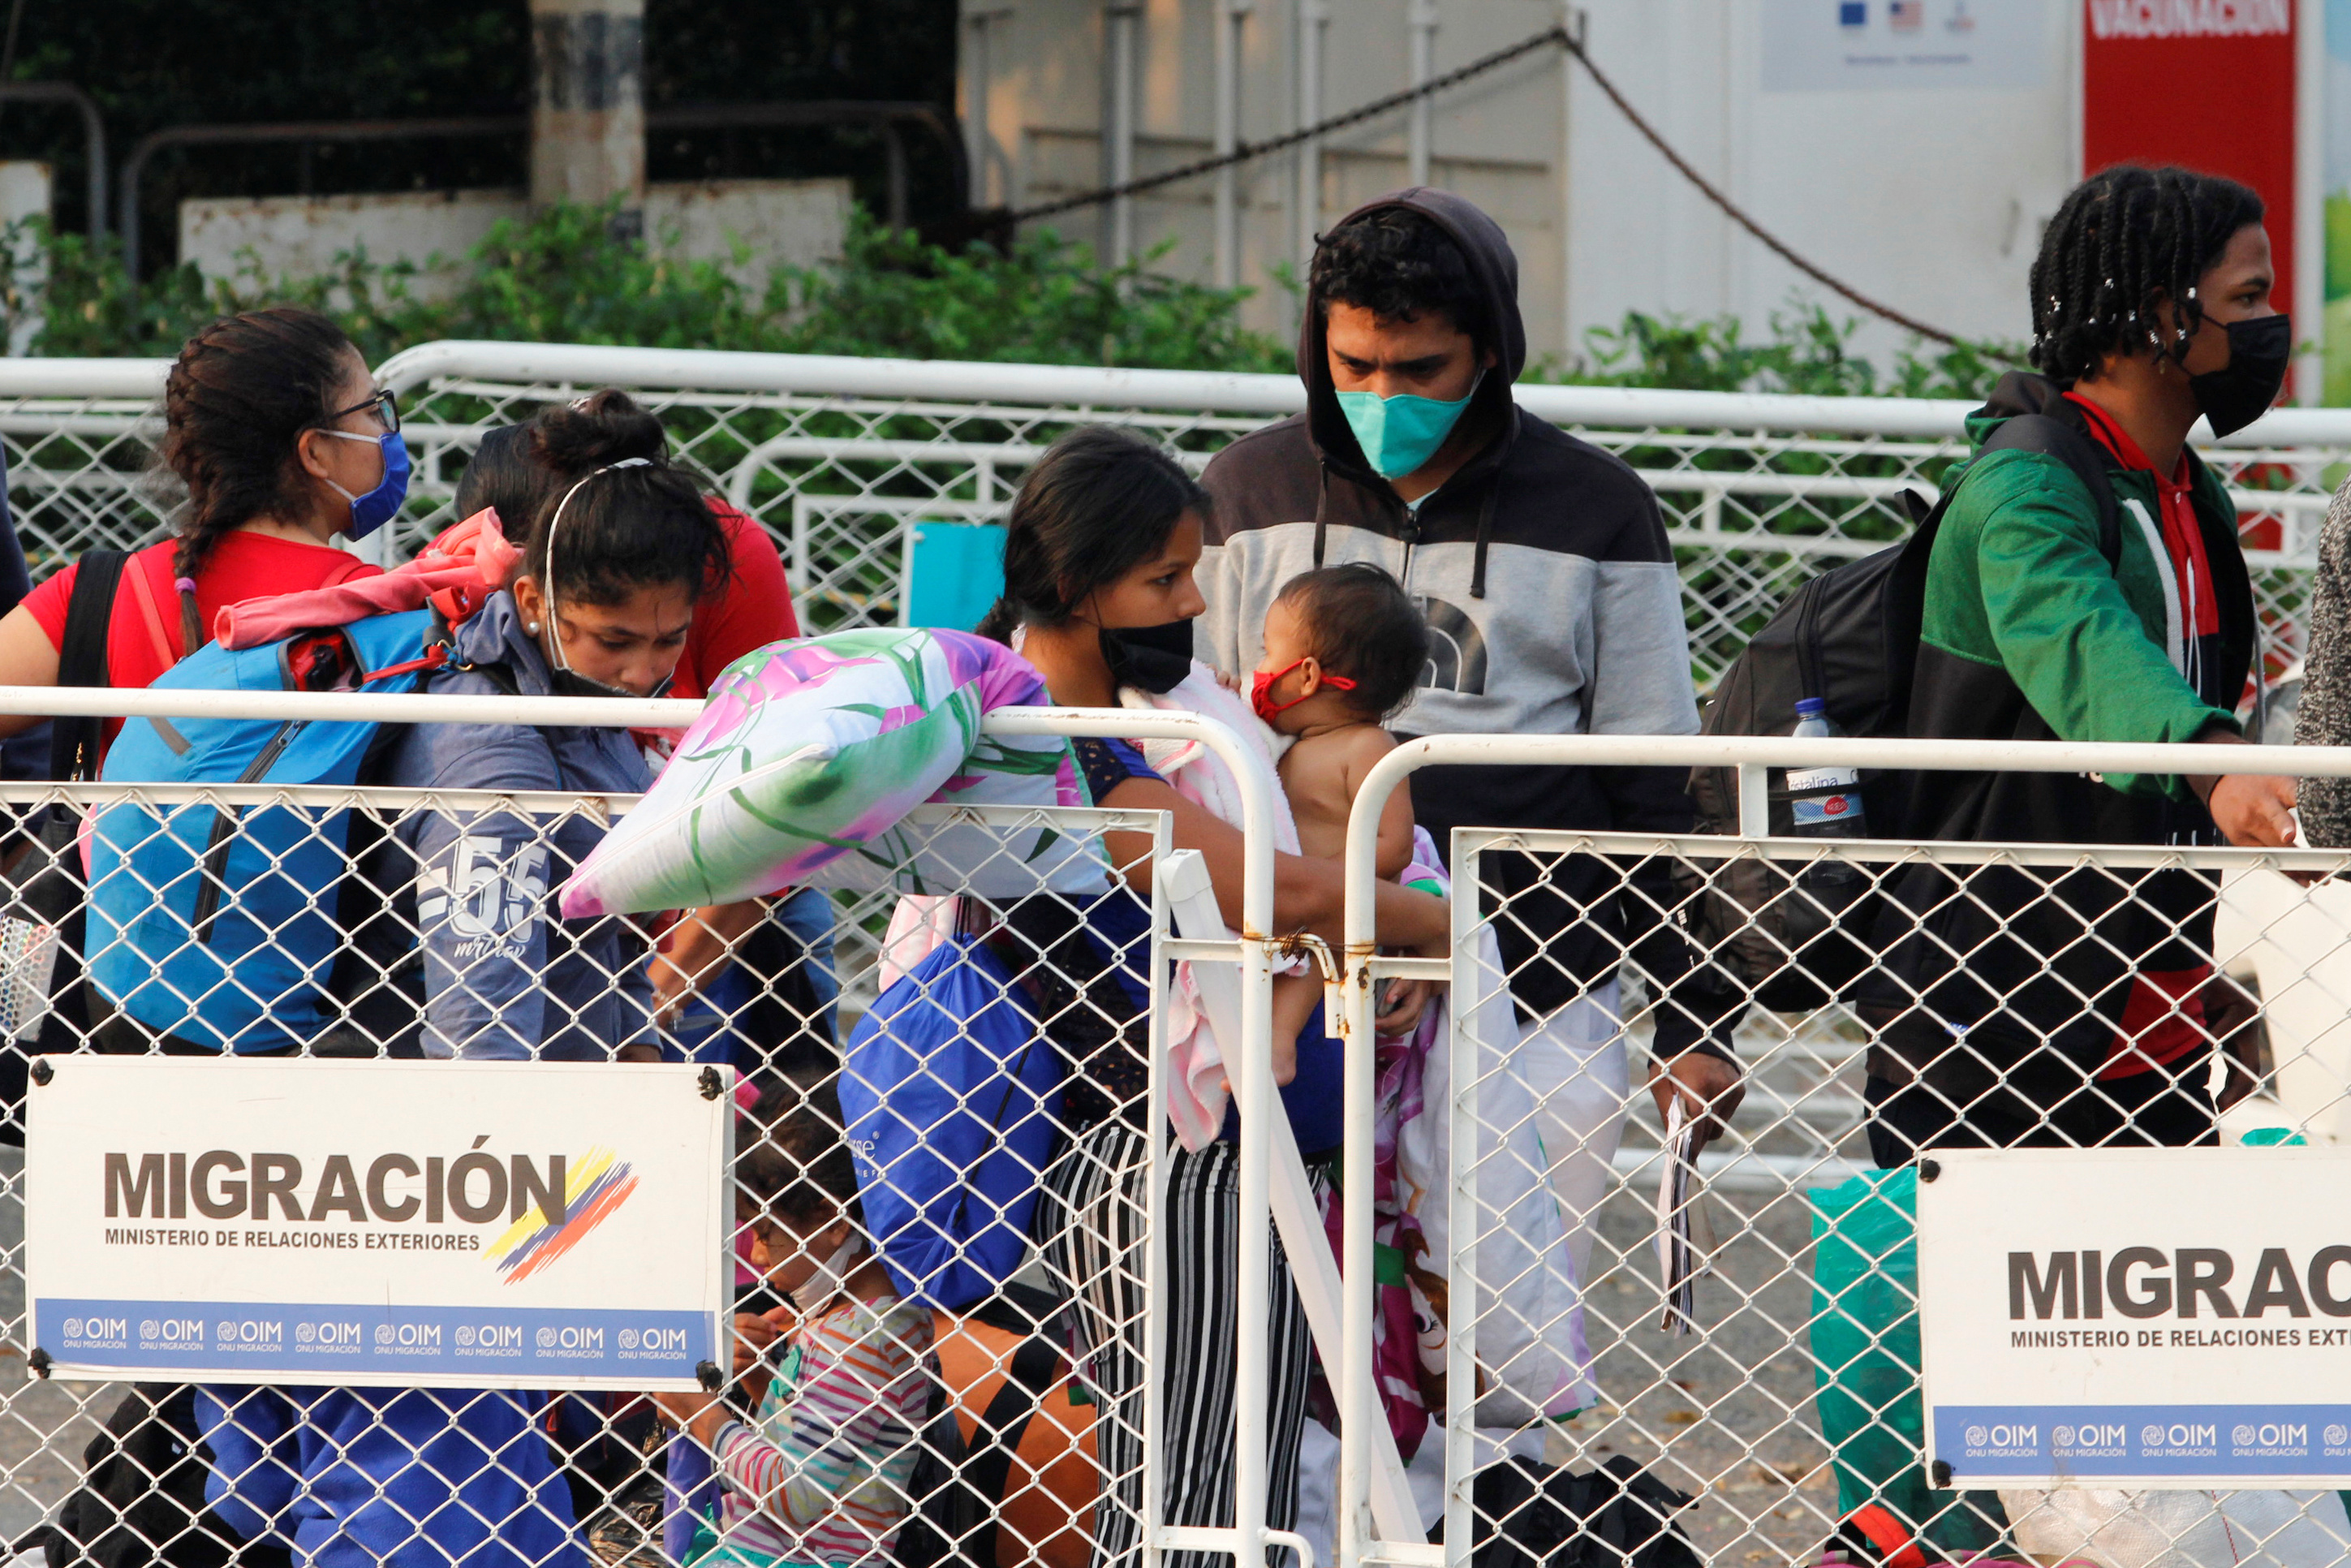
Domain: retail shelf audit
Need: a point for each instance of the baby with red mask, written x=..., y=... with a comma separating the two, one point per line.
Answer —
x=1344, y=647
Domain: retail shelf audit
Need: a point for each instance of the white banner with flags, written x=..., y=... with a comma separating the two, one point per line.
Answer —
x=2151, y=1317
x=539, y=1225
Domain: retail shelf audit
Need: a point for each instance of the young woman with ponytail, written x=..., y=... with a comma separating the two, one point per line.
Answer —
x=284, y=444
x=1099, y=557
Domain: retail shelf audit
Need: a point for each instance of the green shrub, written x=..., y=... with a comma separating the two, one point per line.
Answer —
x=559, y=276
x=1807, y=352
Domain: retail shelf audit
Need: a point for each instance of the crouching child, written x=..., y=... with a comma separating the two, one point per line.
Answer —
x=818, y=1475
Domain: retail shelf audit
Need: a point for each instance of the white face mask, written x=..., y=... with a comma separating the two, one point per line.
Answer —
x=832, y=1276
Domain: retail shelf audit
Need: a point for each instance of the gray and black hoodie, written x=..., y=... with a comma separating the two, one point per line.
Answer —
x=1553, y=608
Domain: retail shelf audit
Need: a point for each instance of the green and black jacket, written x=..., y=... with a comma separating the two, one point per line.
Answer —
x=2030, y=633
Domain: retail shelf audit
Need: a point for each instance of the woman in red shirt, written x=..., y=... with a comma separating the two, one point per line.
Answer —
x=284, y=442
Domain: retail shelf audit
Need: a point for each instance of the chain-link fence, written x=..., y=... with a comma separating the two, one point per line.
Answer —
x=1532, y=1315
x=999, y=1416
x=1743, y=1328
x=1516, y=1167
x=842, y=459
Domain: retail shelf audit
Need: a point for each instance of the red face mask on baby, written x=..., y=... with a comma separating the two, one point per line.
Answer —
x=1261, y=690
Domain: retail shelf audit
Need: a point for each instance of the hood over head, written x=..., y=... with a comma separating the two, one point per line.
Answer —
x=1493, y=266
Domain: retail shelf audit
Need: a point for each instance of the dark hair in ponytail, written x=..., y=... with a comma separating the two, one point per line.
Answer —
x=2126, y=240
x=504, y=475
x=242, y=391
x=622, y=528
x=1098, y=502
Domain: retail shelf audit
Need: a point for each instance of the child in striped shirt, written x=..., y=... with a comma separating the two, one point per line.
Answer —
x=820, y=1477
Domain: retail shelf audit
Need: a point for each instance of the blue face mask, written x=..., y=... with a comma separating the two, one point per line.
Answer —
x=381, y=504
x=1399, y=433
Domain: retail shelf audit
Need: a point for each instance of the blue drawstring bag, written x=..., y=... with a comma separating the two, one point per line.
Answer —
x=953, y=1097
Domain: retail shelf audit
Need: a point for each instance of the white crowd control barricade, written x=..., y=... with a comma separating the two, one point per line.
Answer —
x=1753, y=1319
x=1017, y=1426
x=843, y=459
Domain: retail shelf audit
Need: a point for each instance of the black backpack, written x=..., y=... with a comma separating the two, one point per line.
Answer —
x=1850, y=637
x=141, y=1501
x=1540, y=1516
x=960, y=1490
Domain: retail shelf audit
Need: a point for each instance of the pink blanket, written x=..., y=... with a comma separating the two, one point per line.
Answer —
x=455, y=574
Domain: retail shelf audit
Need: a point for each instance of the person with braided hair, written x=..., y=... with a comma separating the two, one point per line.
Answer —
x=2031, y=1010
x=282, y=442
x=2085, y=583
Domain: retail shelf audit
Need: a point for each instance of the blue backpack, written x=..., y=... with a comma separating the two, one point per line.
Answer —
x=952, y=1097
x=219, y=929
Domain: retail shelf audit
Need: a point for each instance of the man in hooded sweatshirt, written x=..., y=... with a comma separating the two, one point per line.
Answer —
x=1553, y=608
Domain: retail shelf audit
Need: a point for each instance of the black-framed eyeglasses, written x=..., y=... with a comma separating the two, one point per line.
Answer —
x=383, y=405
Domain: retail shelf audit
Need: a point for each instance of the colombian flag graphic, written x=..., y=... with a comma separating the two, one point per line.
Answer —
x=595, y=1185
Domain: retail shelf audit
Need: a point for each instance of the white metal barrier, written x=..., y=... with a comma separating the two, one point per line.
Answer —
x=841, y=458
x=40, y=1464
x=1750, y=1415
x=1728, y=1415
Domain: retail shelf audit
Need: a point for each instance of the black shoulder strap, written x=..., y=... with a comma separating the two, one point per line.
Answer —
x=81, y=659
x=988, y=1466
x=2046, y=433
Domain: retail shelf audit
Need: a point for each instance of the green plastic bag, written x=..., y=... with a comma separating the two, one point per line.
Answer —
x=1865, y=1338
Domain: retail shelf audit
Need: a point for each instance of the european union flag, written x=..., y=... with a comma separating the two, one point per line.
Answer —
x=1853, y=13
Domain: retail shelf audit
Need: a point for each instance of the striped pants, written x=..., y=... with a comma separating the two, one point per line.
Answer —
x=1092, y=1230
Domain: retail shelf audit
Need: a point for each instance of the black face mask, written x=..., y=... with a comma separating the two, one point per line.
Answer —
x=572, y=683
x=2241, y=391
x=1153, y=658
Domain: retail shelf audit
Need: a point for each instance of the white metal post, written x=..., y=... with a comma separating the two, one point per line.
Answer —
x=1312, y=21
x=1421, y=17
x=1576, y=21
x=1754, y=800
x=1121, y=53
x=1463, y=1305
x=1232, y=16
x=1355, y=1393
x=977, y=23
x=1155, y=1284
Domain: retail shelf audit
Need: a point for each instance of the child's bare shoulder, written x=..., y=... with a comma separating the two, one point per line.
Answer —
x=1356, y=749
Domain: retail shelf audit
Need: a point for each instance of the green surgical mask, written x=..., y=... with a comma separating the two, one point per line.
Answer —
x=1399, y=433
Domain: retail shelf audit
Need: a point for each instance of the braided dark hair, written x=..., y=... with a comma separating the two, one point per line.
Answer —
x=2126, y=240
x=242, y=391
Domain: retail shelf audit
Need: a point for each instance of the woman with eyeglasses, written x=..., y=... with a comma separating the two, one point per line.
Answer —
x=284, y=444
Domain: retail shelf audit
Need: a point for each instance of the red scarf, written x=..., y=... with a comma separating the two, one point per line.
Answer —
x=2164, y=1018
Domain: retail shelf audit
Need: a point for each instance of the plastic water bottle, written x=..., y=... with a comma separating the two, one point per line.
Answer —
x=1823, y=802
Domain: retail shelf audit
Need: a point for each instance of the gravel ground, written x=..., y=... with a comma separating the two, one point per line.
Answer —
x=43, y=1426
x=1726, y=1414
